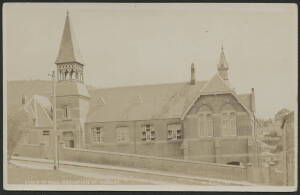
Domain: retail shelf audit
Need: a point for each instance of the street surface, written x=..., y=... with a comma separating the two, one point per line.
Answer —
x=28, y=172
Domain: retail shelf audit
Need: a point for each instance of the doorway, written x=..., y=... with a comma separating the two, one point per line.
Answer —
x=69, y=143
x=68, y=139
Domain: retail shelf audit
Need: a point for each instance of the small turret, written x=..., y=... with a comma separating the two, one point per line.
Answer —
x=223, y=66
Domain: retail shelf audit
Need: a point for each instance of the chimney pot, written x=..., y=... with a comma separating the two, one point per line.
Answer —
x=193, y=79
x=252, y=100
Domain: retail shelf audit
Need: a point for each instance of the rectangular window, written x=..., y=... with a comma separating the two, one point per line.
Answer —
x=45, y=132
x=122, y=134
x=97, y=135
x=174, y=132
x=148, y=133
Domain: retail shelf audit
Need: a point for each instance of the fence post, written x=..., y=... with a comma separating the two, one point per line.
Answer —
x=42, y=150
x=61, y=147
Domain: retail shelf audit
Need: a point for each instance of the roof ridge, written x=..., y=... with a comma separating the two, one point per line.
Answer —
x=158, y=84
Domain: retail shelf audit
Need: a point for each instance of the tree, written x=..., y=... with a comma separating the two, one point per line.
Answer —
x=280, y=114
x=17, y=123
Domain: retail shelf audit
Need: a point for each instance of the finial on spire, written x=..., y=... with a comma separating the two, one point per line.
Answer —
x=222, y=47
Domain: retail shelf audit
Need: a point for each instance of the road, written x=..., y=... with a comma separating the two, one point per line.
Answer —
x=28, y=172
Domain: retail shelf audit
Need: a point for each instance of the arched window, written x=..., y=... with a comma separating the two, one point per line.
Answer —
x=206, y=122
x=71, y=75
x=76, y=75
x=229, y=123
x=66, y=75
x=210, y=125
x=206, y=125
x=62, y=76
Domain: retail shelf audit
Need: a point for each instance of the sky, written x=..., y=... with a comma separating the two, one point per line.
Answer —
x=138, y=44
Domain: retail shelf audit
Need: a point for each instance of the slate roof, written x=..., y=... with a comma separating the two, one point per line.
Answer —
x=142, y=102
x=246, y=99
x=69, y=50
x=153, y=101
x=215, y=85
x=135, y=102
x=39, y=108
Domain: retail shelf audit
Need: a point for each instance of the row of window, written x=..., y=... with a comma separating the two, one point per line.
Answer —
x=148, y=133
x=228, y=124
x=174, y=131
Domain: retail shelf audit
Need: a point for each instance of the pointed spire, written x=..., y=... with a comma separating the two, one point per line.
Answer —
x=222, y=63
x=223, y=66
x=69, y=51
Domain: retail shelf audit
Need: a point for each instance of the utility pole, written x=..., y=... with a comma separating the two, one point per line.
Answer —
x=55, y=136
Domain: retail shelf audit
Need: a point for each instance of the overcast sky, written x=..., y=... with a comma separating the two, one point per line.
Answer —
x=132, y=44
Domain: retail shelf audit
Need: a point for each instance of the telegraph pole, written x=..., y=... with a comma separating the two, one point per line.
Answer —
x=55, y=147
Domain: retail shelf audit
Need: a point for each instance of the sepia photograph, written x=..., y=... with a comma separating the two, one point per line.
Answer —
x=150, y=96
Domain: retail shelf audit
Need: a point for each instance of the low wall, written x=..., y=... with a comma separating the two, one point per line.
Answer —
x=29, y=150
x=202, y=169
x=159, y=149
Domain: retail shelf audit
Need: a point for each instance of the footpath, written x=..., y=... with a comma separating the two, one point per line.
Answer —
x=219, y=182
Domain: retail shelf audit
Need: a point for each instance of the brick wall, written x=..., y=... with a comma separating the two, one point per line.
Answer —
x=161, y=146
x=34, y=151
x=201, y=150
x=218, y=148
x=232, y=149
x=202, y=169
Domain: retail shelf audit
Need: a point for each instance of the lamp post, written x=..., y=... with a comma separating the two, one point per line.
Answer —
x=54, y=133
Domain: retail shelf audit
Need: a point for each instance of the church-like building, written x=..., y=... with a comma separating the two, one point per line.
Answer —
x=195, y=120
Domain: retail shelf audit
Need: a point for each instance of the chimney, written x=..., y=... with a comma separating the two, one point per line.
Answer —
x=23, y=99
x=193, y=80
x=252, y=100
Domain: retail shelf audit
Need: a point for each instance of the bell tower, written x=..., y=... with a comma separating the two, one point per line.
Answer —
x=72, y=97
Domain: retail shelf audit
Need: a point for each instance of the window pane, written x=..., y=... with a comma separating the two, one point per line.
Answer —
x=97, y=135
x=123, y=134
x=173, y=130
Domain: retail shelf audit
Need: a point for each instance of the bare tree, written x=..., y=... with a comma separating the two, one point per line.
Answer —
x=17, y=123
